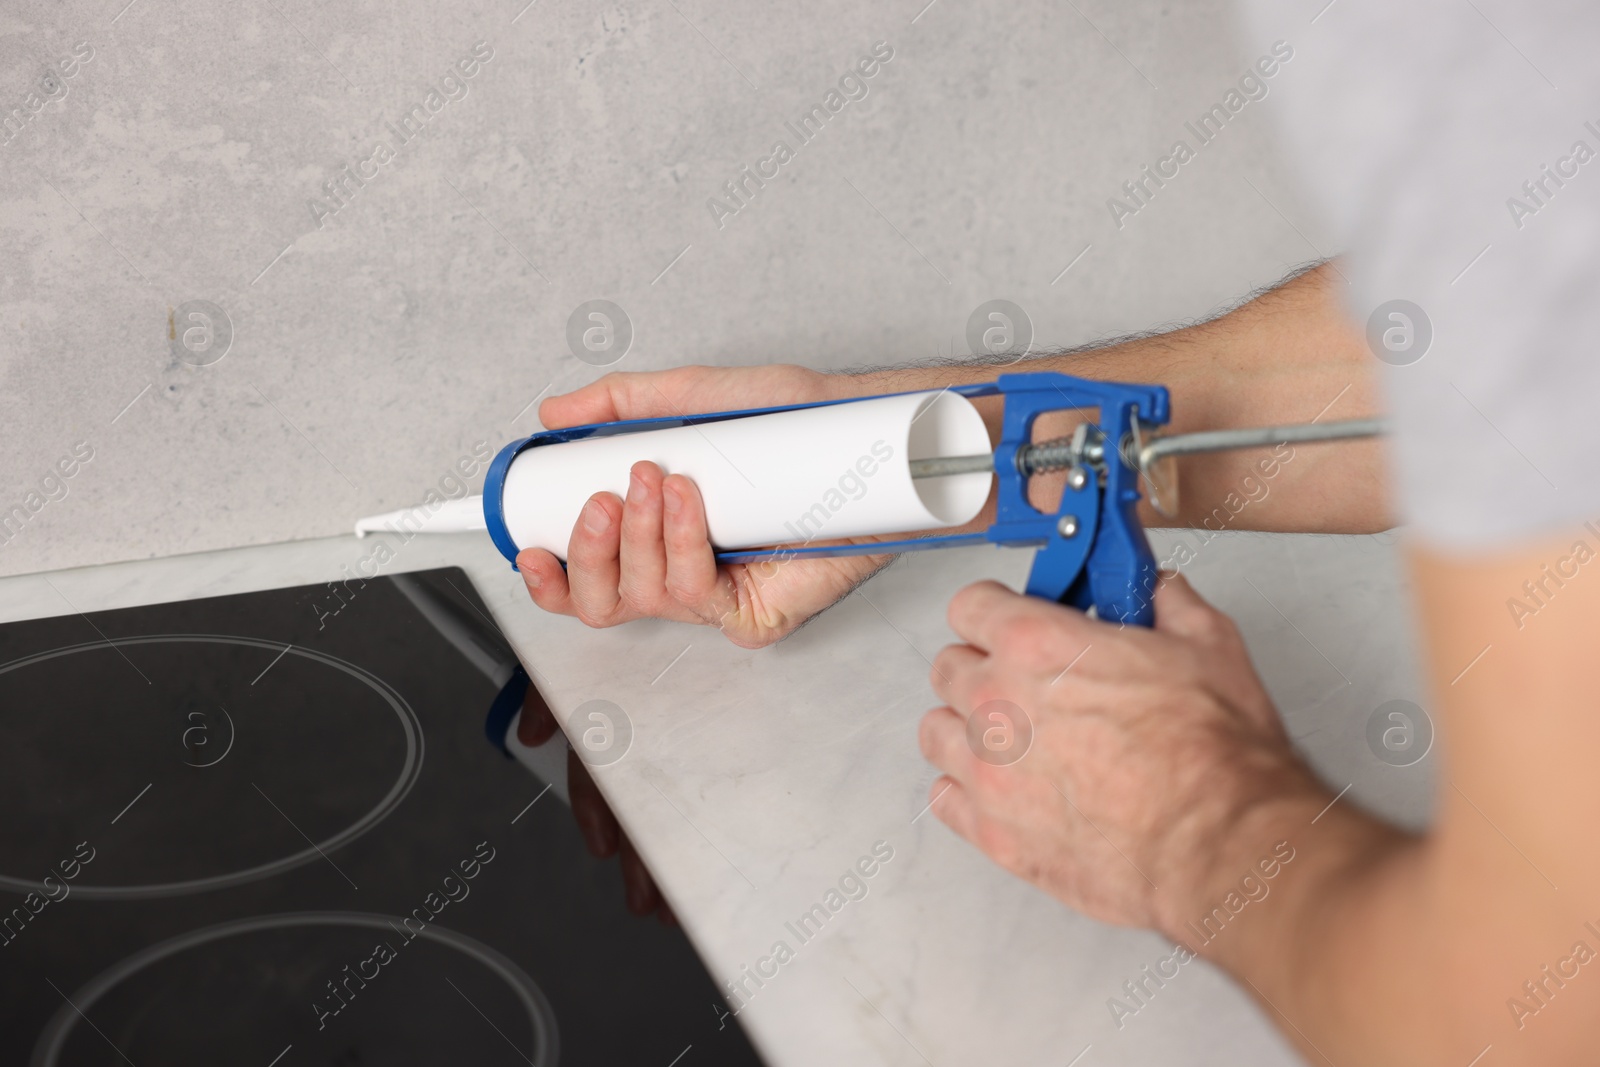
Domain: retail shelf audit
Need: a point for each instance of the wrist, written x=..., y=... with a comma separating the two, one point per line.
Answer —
x=1276, y=872
x=1229, y=858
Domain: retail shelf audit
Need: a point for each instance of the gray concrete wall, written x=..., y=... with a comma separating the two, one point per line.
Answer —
x=376, y=340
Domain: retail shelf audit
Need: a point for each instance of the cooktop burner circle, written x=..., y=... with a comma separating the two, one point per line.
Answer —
x=543, y=1030
x=411, y=766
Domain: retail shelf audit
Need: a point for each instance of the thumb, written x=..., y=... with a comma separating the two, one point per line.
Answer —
x=1182, y=611
x=625, y=395
x=595, y=402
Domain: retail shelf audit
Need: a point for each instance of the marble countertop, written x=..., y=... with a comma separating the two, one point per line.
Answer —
x=754, y=781
x=351, y=362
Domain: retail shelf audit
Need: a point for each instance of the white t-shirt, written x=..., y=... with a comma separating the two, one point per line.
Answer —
x=1456, y=148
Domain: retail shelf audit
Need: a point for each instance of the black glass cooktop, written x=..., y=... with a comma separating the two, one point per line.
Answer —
x=272, y=829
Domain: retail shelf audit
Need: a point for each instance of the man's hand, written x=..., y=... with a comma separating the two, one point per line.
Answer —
x=650, y=555
x=1279, y=358
x=1155, y=757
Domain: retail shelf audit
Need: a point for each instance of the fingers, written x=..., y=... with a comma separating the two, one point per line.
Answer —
x=977, y=611
x=648, y=556
x=942, y=736
x=992, y=618
x=594, y=566
x=536, y=724
x=954, y=807
x=643, y=553
x=955, y=674
x=692, y=575
x=546, y=580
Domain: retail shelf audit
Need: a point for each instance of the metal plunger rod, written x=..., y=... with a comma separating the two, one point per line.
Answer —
x=1055, y=455
x=1226, y=440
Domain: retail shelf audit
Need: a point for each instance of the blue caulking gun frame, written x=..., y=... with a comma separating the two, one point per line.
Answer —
x=1092, y=551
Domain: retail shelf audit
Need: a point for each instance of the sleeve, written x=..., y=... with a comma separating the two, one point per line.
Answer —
x=1458, y=159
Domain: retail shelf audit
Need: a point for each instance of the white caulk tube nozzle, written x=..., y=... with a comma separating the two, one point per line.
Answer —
x=447, y=516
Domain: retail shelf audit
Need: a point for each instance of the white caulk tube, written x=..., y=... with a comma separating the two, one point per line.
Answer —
x=815, y=473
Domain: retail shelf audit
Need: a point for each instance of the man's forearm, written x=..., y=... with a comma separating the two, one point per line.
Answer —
x=1287, y=356
x=1379, y=948
x=1339, y=944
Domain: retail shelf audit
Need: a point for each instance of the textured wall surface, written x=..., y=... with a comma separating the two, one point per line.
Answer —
x=168, y=160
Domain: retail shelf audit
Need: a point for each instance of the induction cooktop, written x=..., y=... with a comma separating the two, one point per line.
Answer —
x=282, y=829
